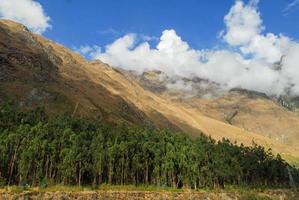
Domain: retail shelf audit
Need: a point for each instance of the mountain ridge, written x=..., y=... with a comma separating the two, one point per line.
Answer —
x=37, y=71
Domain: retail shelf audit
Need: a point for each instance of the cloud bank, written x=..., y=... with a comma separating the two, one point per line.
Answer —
x=28, y=12
x=259, y=61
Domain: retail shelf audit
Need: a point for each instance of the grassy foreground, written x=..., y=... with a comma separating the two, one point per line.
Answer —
x=103, y=187
x=141, y=188
x=245, y=193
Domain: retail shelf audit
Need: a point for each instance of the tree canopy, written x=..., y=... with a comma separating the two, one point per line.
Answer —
x=35, y=149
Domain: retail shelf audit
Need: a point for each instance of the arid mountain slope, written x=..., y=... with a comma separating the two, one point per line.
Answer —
x=257, y=114
x=36, y=71
x=248, y=110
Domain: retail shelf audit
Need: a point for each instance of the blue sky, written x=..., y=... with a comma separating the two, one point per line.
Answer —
x=235, y=43
x=198, y=22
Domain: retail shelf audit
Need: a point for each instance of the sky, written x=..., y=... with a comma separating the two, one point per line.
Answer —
x=235, y=43
x=76, y=22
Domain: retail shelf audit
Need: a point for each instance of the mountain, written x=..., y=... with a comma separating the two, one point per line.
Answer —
x=38, y=72
x=273, y=117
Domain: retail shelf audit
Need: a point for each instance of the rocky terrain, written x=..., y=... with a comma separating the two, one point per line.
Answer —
x=39, y=72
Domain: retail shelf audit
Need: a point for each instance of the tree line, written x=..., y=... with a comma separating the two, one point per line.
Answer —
x=35, y=149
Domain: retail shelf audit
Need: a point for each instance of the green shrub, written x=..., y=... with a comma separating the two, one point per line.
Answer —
x=43, y=183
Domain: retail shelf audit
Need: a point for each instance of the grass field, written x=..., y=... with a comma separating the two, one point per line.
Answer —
x=114, y=191
x=148, y=188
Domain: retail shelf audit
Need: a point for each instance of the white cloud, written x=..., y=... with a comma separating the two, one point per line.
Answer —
x=28, y=12
x=244, y=29
x=269, y=47
x=249, y=66
x=170, y=51
x=243, y=22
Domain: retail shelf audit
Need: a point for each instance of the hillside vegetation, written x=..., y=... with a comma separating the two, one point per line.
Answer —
x=36, y=150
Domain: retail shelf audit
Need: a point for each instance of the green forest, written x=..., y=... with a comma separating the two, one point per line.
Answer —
x=38, y=150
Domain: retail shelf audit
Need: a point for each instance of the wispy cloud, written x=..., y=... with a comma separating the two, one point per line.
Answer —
x=144, y=37
x=290, y=6
x=108, y=31
x=88, y=51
